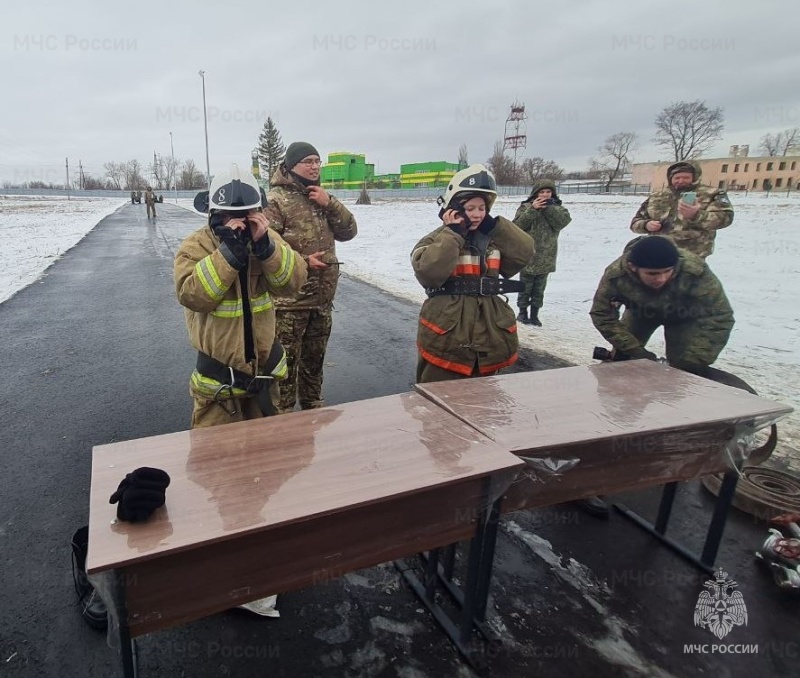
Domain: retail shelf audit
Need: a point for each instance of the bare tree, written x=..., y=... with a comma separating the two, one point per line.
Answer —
x=156, y=170
x=534, y=170
x=191, y=177
x=783, y=143
x=463, y=159
x=614, y=157
x=688, y=128
x=115, y=173
x=501, y=166
x=132, y=172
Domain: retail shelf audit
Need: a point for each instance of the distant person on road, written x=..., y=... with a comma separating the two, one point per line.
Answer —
x=311, y=221
x=150, y=201
x=689, y=212
x=226, y=276
x=542, y=215
x=466, y=328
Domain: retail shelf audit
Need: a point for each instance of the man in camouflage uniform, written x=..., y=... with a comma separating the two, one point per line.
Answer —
x=541, y=215
x=311, y=221
x=150, y=201
x=659, y=284
x=693, y=225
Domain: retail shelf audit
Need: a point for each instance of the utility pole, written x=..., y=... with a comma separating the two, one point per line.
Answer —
x=155, y=171
x=202, y=75
x=174, y=183
x=67, y=186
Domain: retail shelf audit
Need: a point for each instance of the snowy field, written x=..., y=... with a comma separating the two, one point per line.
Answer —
x=37, y=230
x=757, y=259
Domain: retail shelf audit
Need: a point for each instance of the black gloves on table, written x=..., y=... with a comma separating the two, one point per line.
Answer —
x=140, y=493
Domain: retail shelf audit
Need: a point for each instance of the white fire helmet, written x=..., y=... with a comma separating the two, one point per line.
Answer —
x=475, y=180
x=235, y=190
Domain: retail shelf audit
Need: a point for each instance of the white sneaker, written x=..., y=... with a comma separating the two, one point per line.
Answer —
x=265, y=607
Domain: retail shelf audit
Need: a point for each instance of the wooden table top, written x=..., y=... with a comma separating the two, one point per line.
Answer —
x=257, y=475
x=534, y=413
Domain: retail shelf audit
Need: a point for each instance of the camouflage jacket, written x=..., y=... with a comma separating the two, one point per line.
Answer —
x=694, y=295
x=697, y=235
x=149, y=198
x=455, y=330
x=210, y=291
x=544, y=225
x=309, y=228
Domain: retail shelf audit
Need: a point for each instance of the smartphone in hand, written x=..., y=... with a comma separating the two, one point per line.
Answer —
x=689, y=198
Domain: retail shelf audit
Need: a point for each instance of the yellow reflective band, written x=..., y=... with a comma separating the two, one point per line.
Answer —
x=229, y=309
x=284, y=274
x=261, y=303
x=209, y=278
x=209, y=387
x=281, y=369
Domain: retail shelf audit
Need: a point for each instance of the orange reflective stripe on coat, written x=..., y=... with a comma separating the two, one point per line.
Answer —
x=461, y=368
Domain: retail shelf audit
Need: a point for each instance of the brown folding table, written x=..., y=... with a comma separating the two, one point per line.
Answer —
x=267, y=506
x=605, y=429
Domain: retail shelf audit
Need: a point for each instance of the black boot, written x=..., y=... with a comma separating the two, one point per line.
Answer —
x=93, y=609
x=523, y=315
x=535, y=317
x=595, y=506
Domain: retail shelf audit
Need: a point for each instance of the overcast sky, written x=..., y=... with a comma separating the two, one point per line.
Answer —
x=402, y=82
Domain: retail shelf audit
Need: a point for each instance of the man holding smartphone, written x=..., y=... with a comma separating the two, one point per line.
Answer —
x=689, y=212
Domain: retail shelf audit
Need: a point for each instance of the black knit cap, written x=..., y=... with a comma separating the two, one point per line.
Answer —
x=296, y=152
x=680, y=167
x=653, y=251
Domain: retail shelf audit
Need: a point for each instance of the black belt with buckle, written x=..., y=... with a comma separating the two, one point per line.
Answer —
x=477, y=287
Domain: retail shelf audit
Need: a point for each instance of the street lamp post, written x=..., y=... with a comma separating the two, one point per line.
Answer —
x=205, y=124
x=174, y=183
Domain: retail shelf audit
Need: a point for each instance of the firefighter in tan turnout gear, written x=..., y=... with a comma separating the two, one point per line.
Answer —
x=466, y=327
x=226, y=275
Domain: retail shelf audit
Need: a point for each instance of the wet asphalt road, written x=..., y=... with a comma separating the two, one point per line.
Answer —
x=96, y=352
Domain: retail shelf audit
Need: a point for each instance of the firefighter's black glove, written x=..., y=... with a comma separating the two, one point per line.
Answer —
x=140, y=493
x=639, y=353
x=234, y=242
x=264, y=248
x=488, y=224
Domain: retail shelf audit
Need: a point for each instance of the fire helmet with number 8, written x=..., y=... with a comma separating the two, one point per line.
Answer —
x=232, y=191
x=468, y=183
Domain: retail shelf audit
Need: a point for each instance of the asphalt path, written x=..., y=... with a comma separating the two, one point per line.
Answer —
x=96, y=351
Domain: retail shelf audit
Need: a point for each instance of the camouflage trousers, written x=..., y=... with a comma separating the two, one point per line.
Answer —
x=678, y=336
x=151, y=208
x=533, y=294
x=304, y=336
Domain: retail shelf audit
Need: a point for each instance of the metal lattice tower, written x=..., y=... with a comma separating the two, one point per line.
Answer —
x=515, y=136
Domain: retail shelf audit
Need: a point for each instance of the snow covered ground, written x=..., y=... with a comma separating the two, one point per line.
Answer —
x=757, y=259
x=37, y=230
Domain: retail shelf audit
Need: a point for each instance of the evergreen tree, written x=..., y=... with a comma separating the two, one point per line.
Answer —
x=270, y=149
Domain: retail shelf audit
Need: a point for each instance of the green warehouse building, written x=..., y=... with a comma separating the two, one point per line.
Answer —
x=427, y=174
x=346, y=170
